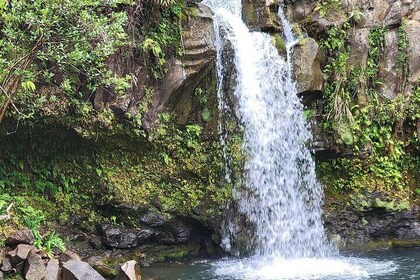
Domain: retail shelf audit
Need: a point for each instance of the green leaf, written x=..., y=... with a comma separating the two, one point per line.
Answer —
x=206, y=114
x=29, y=86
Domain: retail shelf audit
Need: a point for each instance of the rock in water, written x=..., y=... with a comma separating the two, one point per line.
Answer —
x=78, y=270
x=129, y=271
x=24, y=236
x=53, y=270
x=307, y=66
x=97, y=262
x=34, y=266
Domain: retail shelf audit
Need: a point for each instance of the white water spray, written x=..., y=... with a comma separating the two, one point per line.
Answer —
x=282, y=198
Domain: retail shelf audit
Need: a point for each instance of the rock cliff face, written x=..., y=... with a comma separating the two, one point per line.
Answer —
x=148, y=189
x=395, y=56
x=182, y=75
x=378, y=48
x=373, y=228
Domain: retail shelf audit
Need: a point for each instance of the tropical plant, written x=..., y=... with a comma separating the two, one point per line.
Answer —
x=52, y=42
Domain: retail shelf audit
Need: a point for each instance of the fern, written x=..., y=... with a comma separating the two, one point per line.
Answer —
x=165, y=3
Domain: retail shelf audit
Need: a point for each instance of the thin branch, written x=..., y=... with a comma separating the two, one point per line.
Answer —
x=8, y=96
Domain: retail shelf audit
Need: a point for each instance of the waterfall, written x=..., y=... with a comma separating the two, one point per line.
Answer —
x=281, y=197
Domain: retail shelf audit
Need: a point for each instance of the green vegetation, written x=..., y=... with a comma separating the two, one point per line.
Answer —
x=57, y=56
x=328, y=7
x=378, y=130
x=402, y=52
x=164, y=37
x=60, y=45
x=65, y=153
x=24, y=215
x=178, y=172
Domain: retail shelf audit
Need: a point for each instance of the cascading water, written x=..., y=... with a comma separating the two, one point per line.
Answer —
x=282, y=198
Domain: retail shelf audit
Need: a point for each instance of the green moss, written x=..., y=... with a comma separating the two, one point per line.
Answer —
x=179, y=170
x=364, y=202
x=175, y=254
x=344, y=131
x=383, y=244
x=13, y=276
x=249, y=12
x=366, y=185
x=279, y=43
x=391, y=205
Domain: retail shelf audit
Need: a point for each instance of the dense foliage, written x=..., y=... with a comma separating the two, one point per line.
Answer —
x=379, y=131
x=61, y=44
x=54, y=58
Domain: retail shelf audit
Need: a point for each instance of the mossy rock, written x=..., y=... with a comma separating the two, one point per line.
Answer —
x=279, y=43
x=382, y=244
x=258, y=16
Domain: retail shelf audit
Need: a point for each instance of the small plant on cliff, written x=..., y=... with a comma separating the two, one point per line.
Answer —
x=52, y=242
x=376, y=43
x=33, y=219
x=328, y=7
x=166, y=3
x=163, y=38
x=359, y=118
x=402, y=62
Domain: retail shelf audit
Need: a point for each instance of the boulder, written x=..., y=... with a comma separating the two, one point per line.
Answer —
x=6, y=265
x=324, y=23
x=299, y=10
x=389, y=73
x=182, y=232
x=34, y=268
x=97, y=262
x=306, y=66
x=413, y=52
x=394, y=15
x=52, y=270
x=129, y=271
x=258, y=16
x=24, y=236
x=374, y=13
x=20, y=254
x=78, y=270
x=186, y=74
x=356, y=227
x=154, y=219
x=118, y=237
x=399, y=10
x=359, y=42
x=115, y=236
x=69, y=255
x=144, y=235
x=416, y=16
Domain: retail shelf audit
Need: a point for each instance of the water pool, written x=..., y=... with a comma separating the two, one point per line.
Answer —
x=390, y=264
